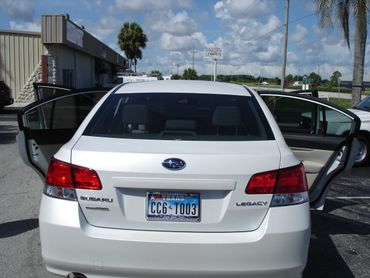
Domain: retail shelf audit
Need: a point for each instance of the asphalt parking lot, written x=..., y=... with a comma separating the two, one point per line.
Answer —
x=340, y=241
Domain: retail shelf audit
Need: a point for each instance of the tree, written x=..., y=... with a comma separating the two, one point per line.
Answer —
x=175, y=77
x=335, y=78
x=277, y=80
x=131, y=39
x=189, y=74
x=289, y=78
x=298, y=78
x=156, y=73
x=342, y=11
x=315, y=78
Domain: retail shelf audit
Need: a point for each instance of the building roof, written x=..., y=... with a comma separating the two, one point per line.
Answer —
x=59, y=29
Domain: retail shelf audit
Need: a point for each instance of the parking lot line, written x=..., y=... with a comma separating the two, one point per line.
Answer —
x=348, y=198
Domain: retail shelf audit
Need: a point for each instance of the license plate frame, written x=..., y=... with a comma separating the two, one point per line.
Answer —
x=180, y=206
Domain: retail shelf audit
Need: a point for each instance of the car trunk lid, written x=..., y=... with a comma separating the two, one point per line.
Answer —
x=131, y=172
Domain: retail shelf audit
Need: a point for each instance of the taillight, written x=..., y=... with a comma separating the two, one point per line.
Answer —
x=63, y=178
x=59, y=174
x=85, y=178
x=291, y=180
x=262, y=183
x=288, y=185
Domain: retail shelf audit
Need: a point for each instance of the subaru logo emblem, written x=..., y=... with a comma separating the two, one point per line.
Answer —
x=174, y=164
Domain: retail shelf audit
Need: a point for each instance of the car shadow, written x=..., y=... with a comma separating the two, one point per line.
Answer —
x=14, y=228
x=324, y=259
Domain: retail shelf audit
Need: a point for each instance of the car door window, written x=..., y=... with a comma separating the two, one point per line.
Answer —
x=333, y=123
x=64, y=113
x=47, y=124
x=294, y=115
x=47, y=90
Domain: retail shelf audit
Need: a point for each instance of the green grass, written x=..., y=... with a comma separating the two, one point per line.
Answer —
x=346, y=103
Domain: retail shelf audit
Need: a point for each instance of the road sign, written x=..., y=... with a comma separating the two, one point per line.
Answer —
x=214, y=53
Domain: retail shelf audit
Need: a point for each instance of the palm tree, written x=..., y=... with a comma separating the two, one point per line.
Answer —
x=131, y=39
x=190, y=74
x=342, y=11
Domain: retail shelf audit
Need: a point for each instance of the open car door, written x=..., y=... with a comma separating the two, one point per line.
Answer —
x=47, y=124
x=45, y=90
x=322, y=135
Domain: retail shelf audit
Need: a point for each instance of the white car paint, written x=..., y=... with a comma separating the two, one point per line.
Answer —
x=120, y=240
x=364, y=117
x=106, y=233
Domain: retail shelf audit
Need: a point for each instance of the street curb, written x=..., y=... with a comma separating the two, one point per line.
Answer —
x=15, y=107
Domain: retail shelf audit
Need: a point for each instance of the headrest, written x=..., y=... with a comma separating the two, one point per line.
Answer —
x=135, y=114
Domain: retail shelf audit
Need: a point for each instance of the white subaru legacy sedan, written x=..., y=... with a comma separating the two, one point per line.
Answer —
x=181, y=178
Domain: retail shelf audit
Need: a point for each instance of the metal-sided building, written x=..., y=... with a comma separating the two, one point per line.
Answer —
x=20, y=55
x=63, y=54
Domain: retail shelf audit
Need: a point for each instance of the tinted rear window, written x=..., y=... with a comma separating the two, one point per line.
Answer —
x=170, y=116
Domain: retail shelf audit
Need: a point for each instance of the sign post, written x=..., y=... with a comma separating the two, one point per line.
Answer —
x=214, y=54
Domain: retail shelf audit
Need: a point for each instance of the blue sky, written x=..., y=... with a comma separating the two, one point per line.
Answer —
x=250, y=32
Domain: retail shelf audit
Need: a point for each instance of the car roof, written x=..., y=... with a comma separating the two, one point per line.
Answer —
x=184, y=86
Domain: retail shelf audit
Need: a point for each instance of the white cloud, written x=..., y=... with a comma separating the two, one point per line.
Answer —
x=103, y=28
x=174, y=58
x=18, y=9
x=310, y=6
x=250, y=40
x=292, y=58
x=176, y=43
x=150, y=5
x=227, y=9
x=328, y=36
x=299, y=34
x=26, y=26
x=177, y=24
x=270, y=54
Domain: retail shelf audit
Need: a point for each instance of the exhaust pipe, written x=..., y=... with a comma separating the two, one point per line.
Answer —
x=75, y=275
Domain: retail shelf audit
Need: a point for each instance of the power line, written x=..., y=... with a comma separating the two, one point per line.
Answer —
x=253, y=3
x=283, y=25
x=303, y=17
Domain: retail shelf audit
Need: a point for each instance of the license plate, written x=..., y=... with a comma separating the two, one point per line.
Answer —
x=173, y=206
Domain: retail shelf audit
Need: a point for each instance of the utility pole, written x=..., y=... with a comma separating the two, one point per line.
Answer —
x=338, y=81
x=193, y=58
x=215, y=70
x=177, y=71
x=285, y=44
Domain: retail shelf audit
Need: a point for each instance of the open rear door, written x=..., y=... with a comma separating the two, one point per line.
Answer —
x=45, y=90
x=45, y=125
x=322, y=135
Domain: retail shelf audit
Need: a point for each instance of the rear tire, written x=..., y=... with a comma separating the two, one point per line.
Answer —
x=362, y=158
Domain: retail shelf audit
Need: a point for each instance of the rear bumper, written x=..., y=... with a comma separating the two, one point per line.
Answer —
x=278, y=248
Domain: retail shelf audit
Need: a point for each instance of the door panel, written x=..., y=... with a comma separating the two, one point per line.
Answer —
x=313, y=160
x=49, y=123
x=313, y=141
x=321, y=135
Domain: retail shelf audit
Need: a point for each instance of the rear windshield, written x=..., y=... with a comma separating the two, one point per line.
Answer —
x=180, y=116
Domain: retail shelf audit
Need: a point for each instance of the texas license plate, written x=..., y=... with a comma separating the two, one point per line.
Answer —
x=173, y=206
